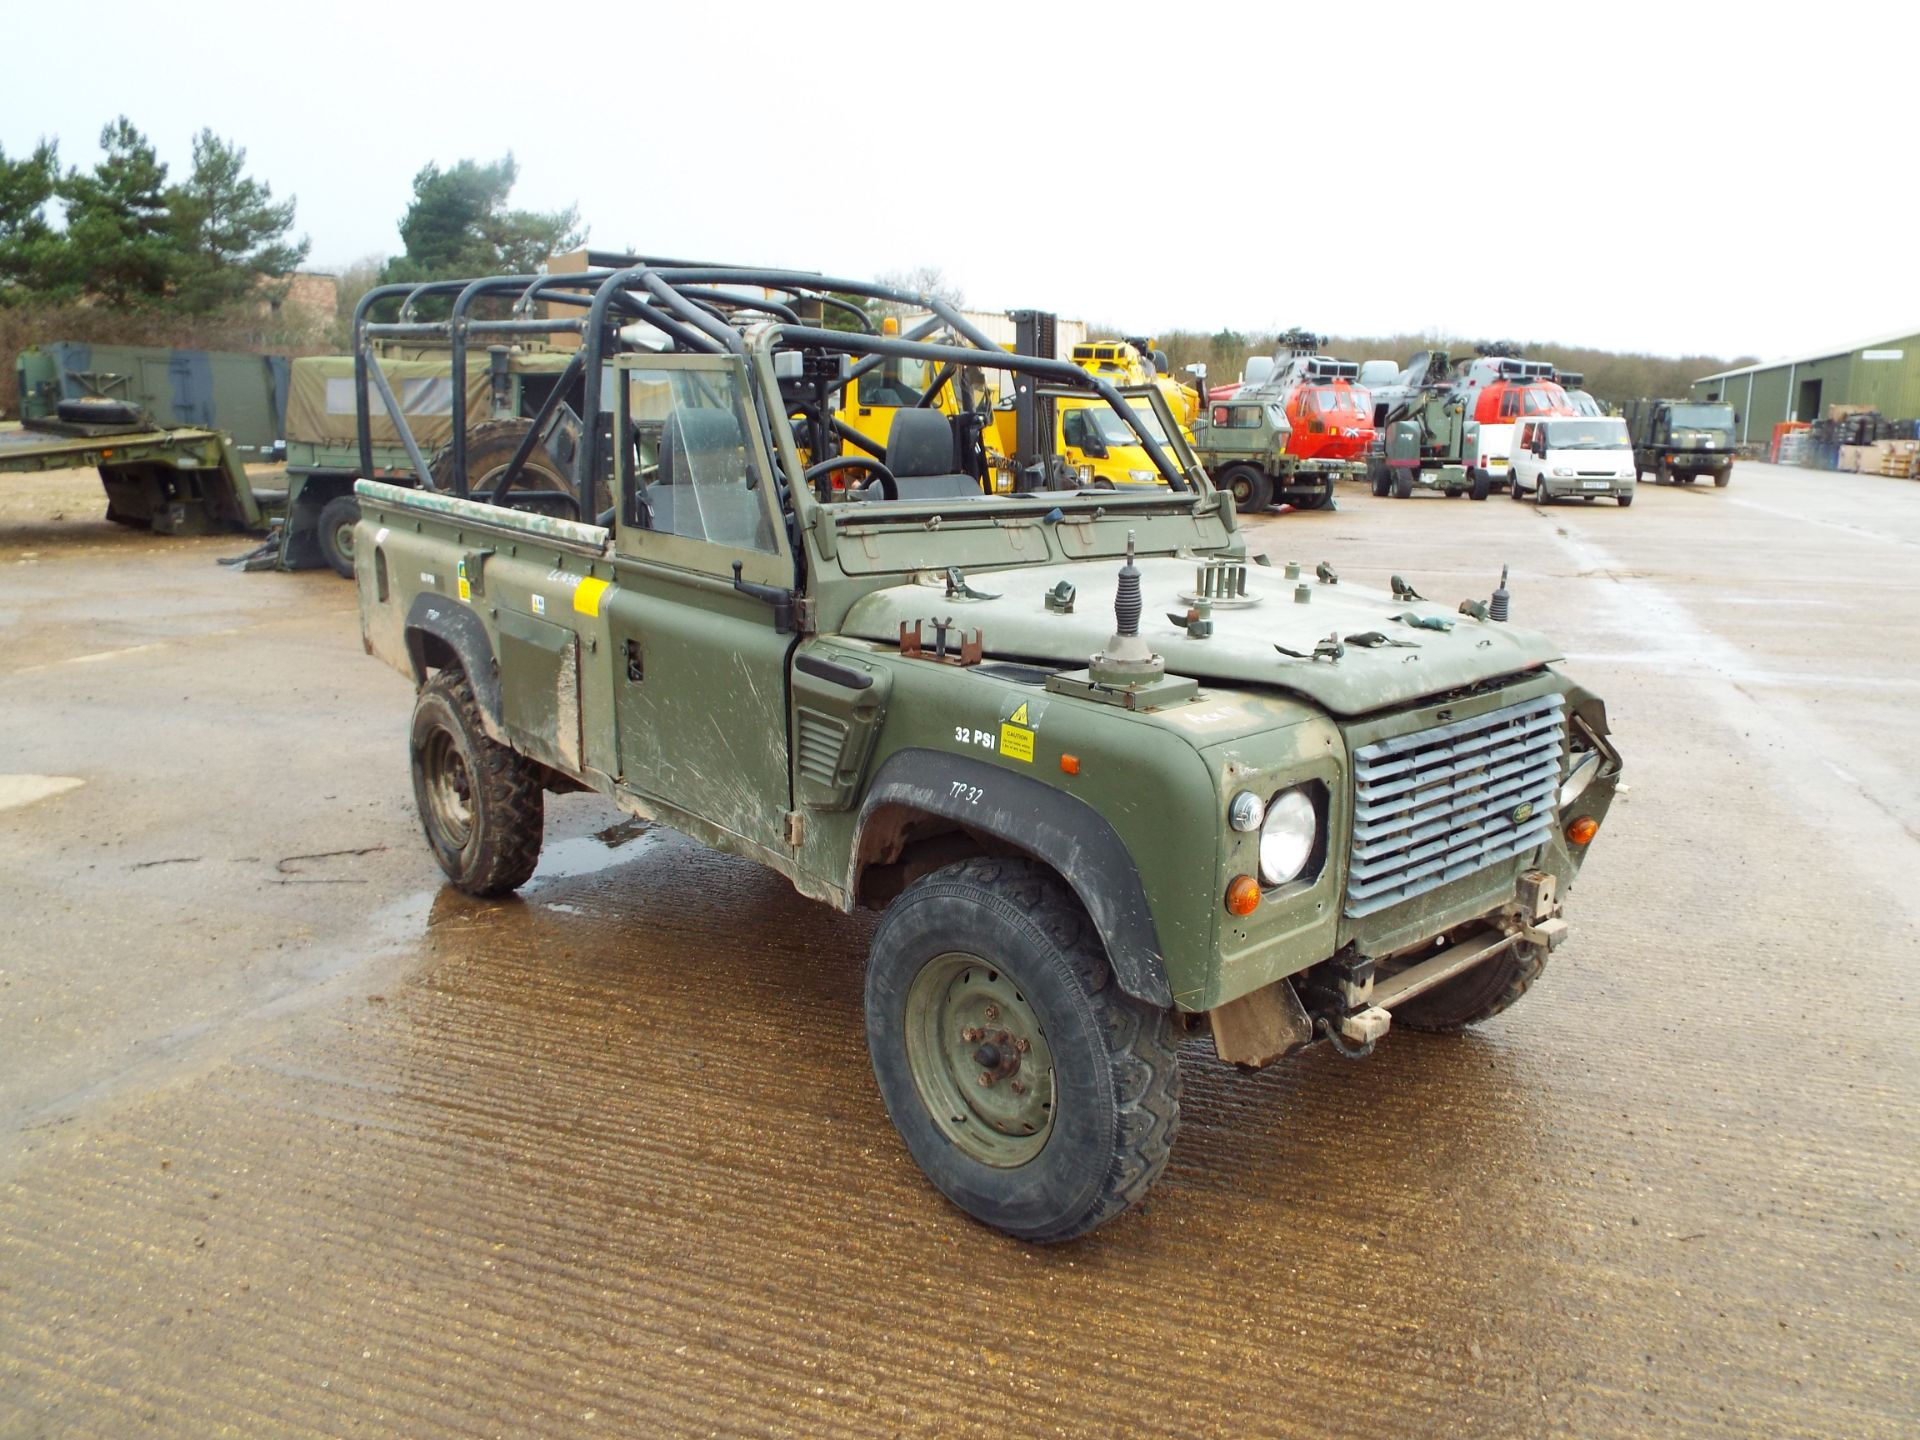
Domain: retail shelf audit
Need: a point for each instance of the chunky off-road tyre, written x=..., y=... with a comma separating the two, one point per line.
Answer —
x=990, y=968
x=97, y=410
x=334, y=531
x=1478, y=994
x=1381, y=478
x=1402, y=485
x=1250, y=486
x=481, y=805
x=1482, y=485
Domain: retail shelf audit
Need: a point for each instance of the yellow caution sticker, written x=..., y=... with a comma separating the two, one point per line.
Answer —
x=1016, y=742
x=1019, y=717
x=586, y=597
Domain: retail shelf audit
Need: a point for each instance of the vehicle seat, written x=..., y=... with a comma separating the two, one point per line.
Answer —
x=920, y=455
x=702, y=490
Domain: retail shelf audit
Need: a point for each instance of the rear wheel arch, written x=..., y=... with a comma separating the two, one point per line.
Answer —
x=925, y=810
x=442, y=635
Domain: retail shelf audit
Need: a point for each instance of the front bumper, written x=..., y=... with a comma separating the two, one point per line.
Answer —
x=1557, y=487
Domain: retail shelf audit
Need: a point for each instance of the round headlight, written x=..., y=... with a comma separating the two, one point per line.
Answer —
x=1246, y=811
x=1287, y=836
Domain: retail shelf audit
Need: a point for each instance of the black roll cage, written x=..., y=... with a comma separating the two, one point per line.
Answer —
x=683, y=303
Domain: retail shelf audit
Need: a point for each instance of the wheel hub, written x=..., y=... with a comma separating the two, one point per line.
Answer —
x=980, y=1059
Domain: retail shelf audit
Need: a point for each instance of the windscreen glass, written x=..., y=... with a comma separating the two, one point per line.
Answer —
x=1703, y=417
x=1595, y=434
x=693, y=439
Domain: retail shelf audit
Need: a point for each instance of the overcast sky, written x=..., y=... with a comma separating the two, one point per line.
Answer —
x=1733, y=179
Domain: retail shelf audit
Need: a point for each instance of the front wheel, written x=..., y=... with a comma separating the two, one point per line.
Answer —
x=1625, y=500
x=1250, y=486
x=1482, y=485
x=335, y=533
x=1403, y=484
x=1723, y=479
x=481, y=805
x=1034, y=1093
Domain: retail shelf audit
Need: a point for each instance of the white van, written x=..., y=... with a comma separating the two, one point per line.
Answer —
x=1565, y=457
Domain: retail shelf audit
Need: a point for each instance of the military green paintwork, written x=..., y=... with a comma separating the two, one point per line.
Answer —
x=629, y=663
x=173, y=481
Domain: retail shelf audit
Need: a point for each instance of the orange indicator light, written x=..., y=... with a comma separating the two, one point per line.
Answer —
x=1582, y=830
x=1243, y=895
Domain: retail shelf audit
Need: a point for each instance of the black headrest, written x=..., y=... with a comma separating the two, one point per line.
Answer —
x=696, y=433
x=920, y=443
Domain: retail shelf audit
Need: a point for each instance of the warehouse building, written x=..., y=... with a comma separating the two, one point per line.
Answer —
x=1882, y=374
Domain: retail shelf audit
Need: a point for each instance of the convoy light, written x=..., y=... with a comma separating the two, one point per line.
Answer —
x=1246, y=811
x=1243, y=894
x=1287, y=836
x=1582, y=831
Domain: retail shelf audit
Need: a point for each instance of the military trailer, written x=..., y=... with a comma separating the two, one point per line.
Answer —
x=179, y=480
x=1681, y=441
x=1107, y=775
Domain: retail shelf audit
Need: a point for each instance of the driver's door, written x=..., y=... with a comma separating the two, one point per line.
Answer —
x=699, y=672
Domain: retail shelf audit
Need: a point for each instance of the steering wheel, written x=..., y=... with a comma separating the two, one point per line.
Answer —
x=889, y=487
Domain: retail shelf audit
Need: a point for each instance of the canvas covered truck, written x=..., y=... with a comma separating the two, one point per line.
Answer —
x=1107, y=776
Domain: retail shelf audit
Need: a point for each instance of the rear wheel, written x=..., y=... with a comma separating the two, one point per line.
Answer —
x=1381, y=477
x=1403, y=484
x=1033, y=1092
x=1250, y=486
x=335, y=534
x=1477, y=994
x=481, y=805
x=1482, y=485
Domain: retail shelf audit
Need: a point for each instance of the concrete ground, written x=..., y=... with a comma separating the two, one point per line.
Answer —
x=295, y=1142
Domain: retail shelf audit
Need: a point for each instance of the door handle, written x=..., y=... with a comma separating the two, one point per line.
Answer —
x=636, y=663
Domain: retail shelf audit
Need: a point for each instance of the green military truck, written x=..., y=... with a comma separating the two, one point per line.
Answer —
x=1108, y=777
x=323, y=442
x=1679, y=442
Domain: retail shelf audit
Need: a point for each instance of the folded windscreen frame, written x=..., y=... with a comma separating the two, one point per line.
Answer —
x=819, y=332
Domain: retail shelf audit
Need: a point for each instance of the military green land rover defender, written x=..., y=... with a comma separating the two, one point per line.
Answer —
x=1108, y=776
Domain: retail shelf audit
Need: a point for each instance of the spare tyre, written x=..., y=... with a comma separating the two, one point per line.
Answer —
x=490, y=450
x=98, y=410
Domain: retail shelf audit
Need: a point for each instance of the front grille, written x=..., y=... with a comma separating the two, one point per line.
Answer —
x=1438, y=804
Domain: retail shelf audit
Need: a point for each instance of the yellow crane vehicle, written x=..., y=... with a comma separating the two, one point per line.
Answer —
x=1088, y=444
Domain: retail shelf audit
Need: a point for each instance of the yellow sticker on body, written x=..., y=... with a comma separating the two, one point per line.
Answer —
x=1016, y=743
x=586, y=596
x=466, y=589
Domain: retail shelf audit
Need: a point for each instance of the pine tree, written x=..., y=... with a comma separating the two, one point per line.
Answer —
x=30, y=248
x=120, y=241
x=229, y=230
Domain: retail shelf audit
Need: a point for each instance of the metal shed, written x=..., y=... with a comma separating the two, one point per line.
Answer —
x=1883, y=373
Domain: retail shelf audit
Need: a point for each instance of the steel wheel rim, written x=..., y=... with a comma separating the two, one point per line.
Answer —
x=965, y=1019
x=343, y=538
x=449, y=790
